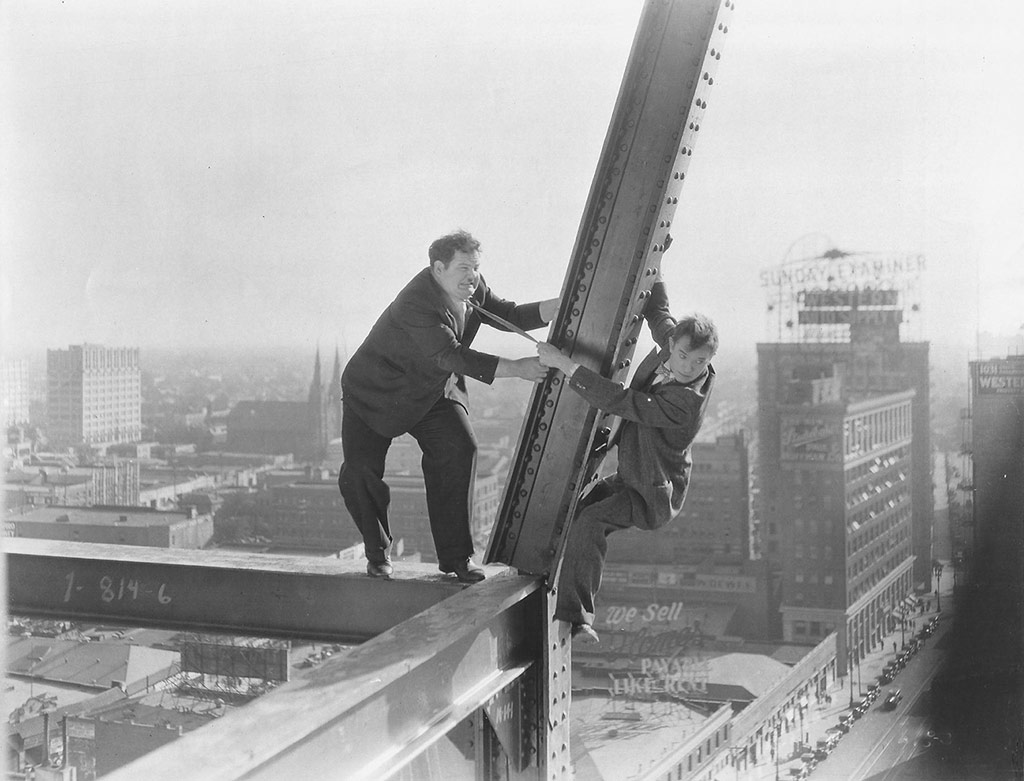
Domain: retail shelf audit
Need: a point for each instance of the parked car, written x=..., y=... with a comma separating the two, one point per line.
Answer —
x=888, y=673
x=799, y=772
x=892, y=699
x=825, y=745
x=832, y=737
x=809, y=760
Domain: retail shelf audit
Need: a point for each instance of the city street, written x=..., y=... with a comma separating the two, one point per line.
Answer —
x=882, y=744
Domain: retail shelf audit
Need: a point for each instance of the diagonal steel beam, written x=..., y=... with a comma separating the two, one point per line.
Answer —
x=222, y=591
x=369, y=712
x=623, y=233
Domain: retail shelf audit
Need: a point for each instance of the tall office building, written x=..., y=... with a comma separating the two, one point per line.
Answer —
x=14, y=391
x=844, y=487
x=996, y=550
x=997, y=443
x=93, y=395
x=977, y=694
x=840, y=317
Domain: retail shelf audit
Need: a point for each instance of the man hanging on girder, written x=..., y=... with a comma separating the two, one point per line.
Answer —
x=661, y=413
x=409, y=375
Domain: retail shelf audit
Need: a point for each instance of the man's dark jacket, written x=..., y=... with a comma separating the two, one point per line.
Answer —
x=403, y=366
x=658, y=424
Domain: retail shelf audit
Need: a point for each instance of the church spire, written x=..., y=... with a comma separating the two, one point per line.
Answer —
x=334, y=391
x=316, y=387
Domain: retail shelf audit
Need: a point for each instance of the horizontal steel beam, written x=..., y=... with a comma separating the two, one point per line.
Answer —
x=220, y=591
x=366, y=713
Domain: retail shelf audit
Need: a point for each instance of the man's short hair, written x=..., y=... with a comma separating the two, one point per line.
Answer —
x=699, y=328
x=444, y=248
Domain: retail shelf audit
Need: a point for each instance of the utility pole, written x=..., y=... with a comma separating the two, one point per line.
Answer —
x=851, y=676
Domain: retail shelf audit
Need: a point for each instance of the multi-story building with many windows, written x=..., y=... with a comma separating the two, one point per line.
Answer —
x=844, y=484
x=14, y=391
x=93, y=395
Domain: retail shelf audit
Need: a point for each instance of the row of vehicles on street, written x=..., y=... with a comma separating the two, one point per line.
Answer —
x=811, y=756
x=910, y=647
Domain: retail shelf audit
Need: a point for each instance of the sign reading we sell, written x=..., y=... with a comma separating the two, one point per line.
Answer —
x=1000, y=378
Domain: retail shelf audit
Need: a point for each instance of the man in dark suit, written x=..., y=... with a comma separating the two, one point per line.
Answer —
x=661, y=413
x=409, y=375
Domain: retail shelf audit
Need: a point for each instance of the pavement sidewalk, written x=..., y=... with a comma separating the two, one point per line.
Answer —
x=820, y=716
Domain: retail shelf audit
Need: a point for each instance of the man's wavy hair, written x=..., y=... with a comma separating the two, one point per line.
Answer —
x=444, y=248
x=699, y=328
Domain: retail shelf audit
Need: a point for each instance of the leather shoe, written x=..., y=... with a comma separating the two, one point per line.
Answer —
x=466, y=571
x=379, y=569
x=584, y=633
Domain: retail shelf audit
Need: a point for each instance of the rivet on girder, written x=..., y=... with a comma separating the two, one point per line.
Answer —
x=711, y=81
x=624, y=363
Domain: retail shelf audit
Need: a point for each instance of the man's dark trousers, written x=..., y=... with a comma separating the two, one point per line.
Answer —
x=446, y=438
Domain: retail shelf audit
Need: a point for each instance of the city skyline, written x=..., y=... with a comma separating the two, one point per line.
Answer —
x=184, y=175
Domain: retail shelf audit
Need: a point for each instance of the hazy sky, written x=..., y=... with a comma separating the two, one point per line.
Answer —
x=195, y=173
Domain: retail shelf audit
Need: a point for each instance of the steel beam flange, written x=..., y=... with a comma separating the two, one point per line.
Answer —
x=368, y=712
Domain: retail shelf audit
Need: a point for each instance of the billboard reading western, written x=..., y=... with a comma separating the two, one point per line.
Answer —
x=999, y=377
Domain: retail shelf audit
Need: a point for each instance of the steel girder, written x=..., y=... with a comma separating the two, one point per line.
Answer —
x=369, y=712
x=221, y=591
x=623, y=233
